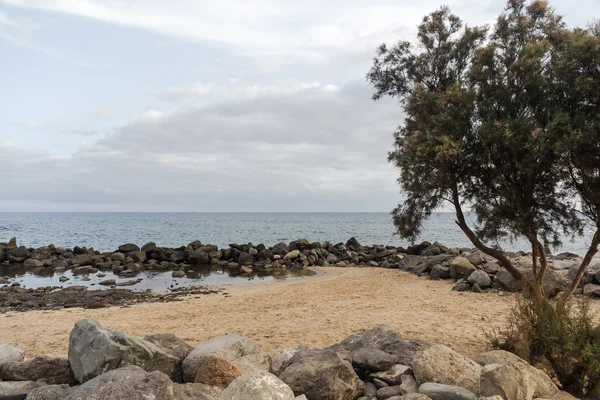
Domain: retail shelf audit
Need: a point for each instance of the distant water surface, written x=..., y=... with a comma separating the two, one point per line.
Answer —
x=106, y=231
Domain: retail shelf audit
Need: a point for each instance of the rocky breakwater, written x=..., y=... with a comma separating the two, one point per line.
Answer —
x=376, y=364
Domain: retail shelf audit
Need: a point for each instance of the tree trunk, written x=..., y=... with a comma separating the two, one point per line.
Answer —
x=584, y=264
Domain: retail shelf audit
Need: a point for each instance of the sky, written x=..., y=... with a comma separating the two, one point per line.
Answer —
x=189, y=105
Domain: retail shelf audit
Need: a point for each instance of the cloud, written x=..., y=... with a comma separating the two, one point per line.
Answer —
x=48, y=128
x=294, y=148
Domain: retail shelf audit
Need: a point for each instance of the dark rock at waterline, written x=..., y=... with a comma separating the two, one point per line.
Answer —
x=53, y=370
x=126, y=248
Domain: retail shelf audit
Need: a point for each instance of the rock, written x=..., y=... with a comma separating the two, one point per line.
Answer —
x=107, y=282
x=170, y=344
x=149, y=246
x=10, y=353
x=413, y=396
x=137, y=256
x=370, y=390
x=379, y=337
x=292, y=255
x=196, y=391
x=481, y=278
x=440, y=364
x=94, y=350
x=84, y=270
x=393, y=376
x=461, y=286
x=409, y=384
x=64, y=279
x=390, y=391
x=438, y=391
x=545, y=388
x=245, y=258
x=507, y=381
x=126, y=383
x=216, y=371
x=244, y=269
x=321, y=375
x=255, y=362
x=592, y=290
x=405, y=350
x=439, y=272
x=54, y=371
x=476, y=258
x=178, y=274
x=588, y=276
x=372, y=359
x=16, y=390
x=228, y=347
x=353, y=244
x=460, y=267
x=507, y=281
x=199, y=257
x=257, y=386
x=281, y=358
x=50, y=392
x=31, y=263
x=126, y=248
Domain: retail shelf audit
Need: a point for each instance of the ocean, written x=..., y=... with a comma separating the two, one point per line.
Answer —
x=106, y=231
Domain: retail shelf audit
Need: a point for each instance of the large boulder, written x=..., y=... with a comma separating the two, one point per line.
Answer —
x=321, y=375
x=10, y=353
x=126, y=248
x=544, y=387
x=170, y=344
x=126, y=383
x=508, y=282
x=379, y=337
x=257, y=386
x=460, y=267
x=440, y=364
x=228, y=347
x=196, y=391
x=94, y=350
x=405, y=350
x=508, y=381
x=16, y=390
x=54, y=371
x=437, y=391
x=216, y=371
x=481, y=278
x=372, y=359
x=199, y=257
x=591, y=289
x=50, y=392
x=281, y=359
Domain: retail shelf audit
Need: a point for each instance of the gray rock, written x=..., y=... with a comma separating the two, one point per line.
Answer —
x=10, y=353
x=393, y=376
x=170, y=344
x=372, y=359
x=199, y=257
x=412, y=396
x=379, y=383
x=16, y=390
x=228, y=347
x=31, y=263
x=406, y=349
x=592, y=290
x=507, y=281
x=460, y=267
x=476, y=258
x=195, y=391
x=379, y=337
x=126, y=383
x=50, y=392
x=281, y=358
x=409, y=384
x=126, y=248
x=390, y=391
x=481, y=278
x=439, y=272
x=257, y=386
x=508, y=381
x=461, y=286
x=54, y=371
x=588, y=276
x=94, y=350
x=438, y=391
x=370, y=390
x=321, y=375
x=440, y=364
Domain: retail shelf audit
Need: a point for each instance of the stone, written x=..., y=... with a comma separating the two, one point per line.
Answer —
x=149, y=246
x=65, y=278
x=460, y=267
x=439, y=272
x=379, y=337
x=50, y=392
x=84, y=270
x=107, y=282
x=245, y=258
x=321, y=375
x=292, y=255
x=137, y=256
x=405, y=350
x=125, y=383
x=440, y=364
x=94, y=350
x=170, y=344
x=588, y=276
x=370, y=390
x=281, y=358
x=31, y=263
x=481, y=278
x=16, y=390
x=390, y=391
x=216, y=371
x=195, y=391
x=228, y=347
x=199, y=257
x=126, y=248
x=475, y=258
x=393, y=376
x=413, y=396
x=461, y=286
x=507, y=381
x=372, y=359
x=592, y=290
x=54, y=371
x=409, y=384
x=545, y=388
x=178, y=274
x=10, y=353
x=507, y=281
x=255, y=362
x=437, y=391
x=257, y=386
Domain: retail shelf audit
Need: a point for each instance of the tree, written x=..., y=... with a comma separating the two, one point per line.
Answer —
x=481, y=128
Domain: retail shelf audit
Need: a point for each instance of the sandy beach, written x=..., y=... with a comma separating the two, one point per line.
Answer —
x=316, y=311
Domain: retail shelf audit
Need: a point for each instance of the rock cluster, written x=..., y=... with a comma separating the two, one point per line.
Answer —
x=471, y=269
x=376, y=364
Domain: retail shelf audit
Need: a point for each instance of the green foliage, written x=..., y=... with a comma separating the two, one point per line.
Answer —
x=562, y=333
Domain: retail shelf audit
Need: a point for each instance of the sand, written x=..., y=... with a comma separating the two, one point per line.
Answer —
x=316, y=311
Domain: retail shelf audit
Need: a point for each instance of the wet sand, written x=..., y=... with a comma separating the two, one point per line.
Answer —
x=316, y=311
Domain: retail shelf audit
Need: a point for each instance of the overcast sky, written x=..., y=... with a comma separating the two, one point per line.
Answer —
x=189, y=105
